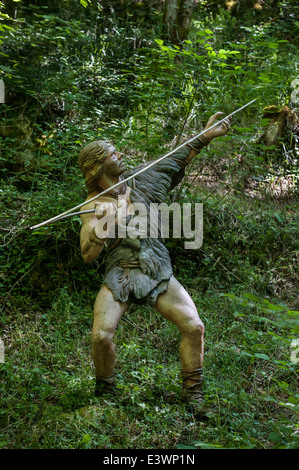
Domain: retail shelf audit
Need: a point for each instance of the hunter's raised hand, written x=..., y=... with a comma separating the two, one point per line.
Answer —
x=219, y=130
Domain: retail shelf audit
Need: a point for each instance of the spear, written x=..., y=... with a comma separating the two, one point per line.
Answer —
x=70, y=213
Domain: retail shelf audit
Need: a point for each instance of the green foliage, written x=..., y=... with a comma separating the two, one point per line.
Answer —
x=76, y=71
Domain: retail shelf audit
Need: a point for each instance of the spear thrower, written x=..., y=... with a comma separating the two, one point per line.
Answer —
x=70, y=213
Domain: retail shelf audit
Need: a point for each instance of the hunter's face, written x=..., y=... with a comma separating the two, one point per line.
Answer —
x=113, y=164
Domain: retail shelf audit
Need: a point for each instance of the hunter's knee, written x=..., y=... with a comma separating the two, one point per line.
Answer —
x=195, y=328
x=102, y=338
x=198, y=328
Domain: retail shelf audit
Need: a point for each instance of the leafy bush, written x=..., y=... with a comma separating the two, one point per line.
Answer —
x=73, y=74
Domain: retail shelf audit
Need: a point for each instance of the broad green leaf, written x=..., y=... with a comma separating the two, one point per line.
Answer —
x=183, y=446
x=262, y=356
x=5, y=69
x=86, y=438
x=274, y=437
x=204, y=445
x=265, y=79
x=293, y=400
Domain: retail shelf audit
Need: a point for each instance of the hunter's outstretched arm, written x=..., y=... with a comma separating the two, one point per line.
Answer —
x=211, y=134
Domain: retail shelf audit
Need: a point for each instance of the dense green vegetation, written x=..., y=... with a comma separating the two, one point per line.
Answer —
x=77, y=71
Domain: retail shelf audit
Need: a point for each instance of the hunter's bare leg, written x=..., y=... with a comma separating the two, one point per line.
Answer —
x=177, y=306
x=107, y=313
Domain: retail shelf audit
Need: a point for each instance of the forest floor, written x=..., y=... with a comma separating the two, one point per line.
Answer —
x=47, y=398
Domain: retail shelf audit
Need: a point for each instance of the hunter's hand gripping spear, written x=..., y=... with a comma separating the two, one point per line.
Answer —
x=69, y=212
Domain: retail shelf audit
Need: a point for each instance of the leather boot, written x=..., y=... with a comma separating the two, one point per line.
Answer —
x=192, y=394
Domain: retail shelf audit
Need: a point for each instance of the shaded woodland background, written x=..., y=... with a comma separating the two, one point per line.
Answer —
x=147, y=75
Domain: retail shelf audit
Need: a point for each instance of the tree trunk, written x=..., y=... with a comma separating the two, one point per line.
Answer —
x=170, y=20
x=184, y=18
x=177, y=19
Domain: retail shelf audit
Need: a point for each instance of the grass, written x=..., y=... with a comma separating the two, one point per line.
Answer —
x=250, y=247
x=48, y=379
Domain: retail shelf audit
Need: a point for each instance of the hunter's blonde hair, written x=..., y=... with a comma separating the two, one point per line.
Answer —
x=90, y=162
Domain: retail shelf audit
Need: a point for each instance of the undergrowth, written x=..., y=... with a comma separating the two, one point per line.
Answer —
x=47, y=379
x=107, y=77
